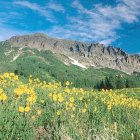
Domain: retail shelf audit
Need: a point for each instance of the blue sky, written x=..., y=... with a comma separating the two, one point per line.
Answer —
x=111, y=22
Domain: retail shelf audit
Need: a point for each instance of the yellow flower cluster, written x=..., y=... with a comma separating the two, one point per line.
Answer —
x=29, y=91
x=35, y=94
x=111, y=99
x=20, y=94
x=8, y=77
x=24, y=109
x=3, y=96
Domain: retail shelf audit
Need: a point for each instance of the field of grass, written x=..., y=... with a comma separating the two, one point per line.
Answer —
x=35, y=110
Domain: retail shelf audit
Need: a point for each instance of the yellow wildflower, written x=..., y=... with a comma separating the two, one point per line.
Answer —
x=71, y=105
x=67, y=90
x=50, y=95
x=55, y=97
x=42, y=101
x=72, y=99
x=33, y=118
x=21, y=109
x=3, y=97
x=84, y=110
x=1, y=90
x=60, y=99
x=73, y=108
x=27, y=109
x=67, y=83
x=38, y=112
x=58, y=113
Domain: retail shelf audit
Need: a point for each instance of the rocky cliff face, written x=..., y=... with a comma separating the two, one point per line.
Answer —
x=87, y=54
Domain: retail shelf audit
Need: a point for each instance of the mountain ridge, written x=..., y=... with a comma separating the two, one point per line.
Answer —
x=87, y=54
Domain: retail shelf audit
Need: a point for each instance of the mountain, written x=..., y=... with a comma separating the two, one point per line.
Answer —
x=25, y=56
x=84, y=55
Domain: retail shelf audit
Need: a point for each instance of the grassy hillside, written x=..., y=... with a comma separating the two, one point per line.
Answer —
x=38, y=110
x=46, y=66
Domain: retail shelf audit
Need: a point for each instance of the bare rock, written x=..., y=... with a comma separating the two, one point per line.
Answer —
x=87, y=53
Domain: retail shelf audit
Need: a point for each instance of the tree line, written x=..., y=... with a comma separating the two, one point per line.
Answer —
x=116, y=82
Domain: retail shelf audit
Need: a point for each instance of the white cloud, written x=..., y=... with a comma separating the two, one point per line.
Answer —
x=99, y=24
x=55, y=6
x=107, y=41
x=36, y=7
x=5, y=17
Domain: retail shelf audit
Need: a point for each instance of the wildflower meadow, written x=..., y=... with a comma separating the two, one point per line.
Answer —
x=35, y=110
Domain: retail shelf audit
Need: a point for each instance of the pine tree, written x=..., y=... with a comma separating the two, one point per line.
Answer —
x=112, y=80
x=128, y=83
x=102, y=85
x=120, y=83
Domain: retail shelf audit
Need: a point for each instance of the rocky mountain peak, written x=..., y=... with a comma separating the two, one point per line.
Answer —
x=88, y=54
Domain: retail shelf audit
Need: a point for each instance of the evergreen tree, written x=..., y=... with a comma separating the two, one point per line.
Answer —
x=102, y=85
x=120, y=83
x=112, y=80
x=128, y=83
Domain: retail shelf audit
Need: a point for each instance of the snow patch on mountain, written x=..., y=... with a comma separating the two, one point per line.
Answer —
x=20, y=49
x=8, y=53
x=16, y=56
x=92, y=64
x=75, y=62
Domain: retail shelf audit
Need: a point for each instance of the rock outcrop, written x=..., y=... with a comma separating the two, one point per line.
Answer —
x=88, y=54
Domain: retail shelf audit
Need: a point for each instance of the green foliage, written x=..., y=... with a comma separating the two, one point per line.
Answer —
x=117, y=82
x=46, y=66
x=58, y=112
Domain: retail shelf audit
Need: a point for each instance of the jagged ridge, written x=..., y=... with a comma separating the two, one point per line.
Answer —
x=88, y=54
